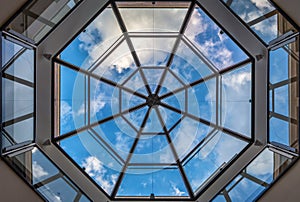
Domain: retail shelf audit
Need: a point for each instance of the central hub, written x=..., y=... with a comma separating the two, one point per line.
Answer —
x=153, y=100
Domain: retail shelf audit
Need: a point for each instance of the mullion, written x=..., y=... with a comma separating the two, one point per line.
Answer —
x=130, y=45
x=121, y=176
x=208, y=123
x=176, y=157
x=176, y=45
x=84, y=128
x=97, y=77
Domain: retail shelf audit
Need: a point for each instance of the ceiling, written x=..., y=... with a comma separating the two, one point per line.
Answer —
x=9, y=7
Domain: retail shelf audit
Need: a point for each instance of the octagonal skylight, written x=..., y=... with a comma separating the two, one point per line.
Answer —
x=149, y=94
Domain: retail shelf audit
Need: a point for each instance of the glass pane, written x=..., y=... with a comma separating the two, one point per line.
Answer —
x=136, y=83
x=44, y=176
x=17, y=93
x=117, y=66
x=17, y=99
x=212, y=155
x=104, y=100
x=153, y=51
x=39, y=17
x=257, y=176
x=171, y=83
x=91, y=154
x=157, y=17
x=189, y=66
x=213, y=43
x=283, y=86
x=92, y=43
x=118, y=134
x=236, y=100
x=73, y=99
x=262, y=17
x=145, y=182
x=187, y=135
x=153, y=77
x=202, y=100
x=20, y=131
x=152, y=149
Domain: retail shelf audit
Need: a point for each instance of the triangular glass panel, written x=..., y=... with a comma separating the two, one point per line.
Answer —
x=153, y=77
x=171, y=83
x=176, y=100
x=117, y=65
x=153, y=124
x=130, y=100
x=93, y=41
x=135, y=82
x=188, y=65
x=202, y=100
x=153, y=17
x=118, y=135
x=152, y=149
x=170, y=117
x=153, y=51
x=137, y=117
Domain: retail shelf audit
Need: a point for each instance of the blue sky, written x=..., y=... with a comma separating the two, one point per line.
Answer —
x=186, y=68
x=217, y=52
x=100, y=162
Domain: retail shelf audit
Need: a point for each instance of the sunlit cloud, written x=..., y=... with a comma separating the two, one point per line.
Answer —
x=176, y=191
x=38, y=171
x=94, y=168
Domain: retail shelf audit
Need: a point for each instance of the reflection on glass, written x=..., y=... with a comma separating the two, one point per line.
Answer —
x=139, y=183
x=262, y=17
x=256, y=177
x=38, y=18
x=153, y=51
x=213, y=43
x=95, y=157
x=44, y=176
x=97, y=37
x=73, y=100
x=17, y=93
x=211, y=157
x=236, y=100
x=283, y=96
x=157, y=17
x=150, y=91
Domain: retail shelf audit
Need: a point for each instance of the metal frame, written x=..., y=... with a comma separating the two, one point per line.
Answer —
x=140, y=69
x=243, y=36
x=44, y=21
x=22, y=82
x=60, y=174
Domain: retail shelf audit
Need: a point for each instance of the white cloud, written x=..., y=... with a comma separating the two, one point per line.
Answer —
x=38, y=171
x=65, y=114
x=176, y=191
x=235, y=104
x=236, y=81
x=94, y=168
x=262, y=165
x=262, y=4
x=213, y=48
